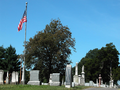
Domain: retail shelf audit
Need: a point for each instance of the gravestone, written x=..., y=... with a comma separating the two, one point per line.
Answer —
x=73, y=84
x=82, y=82
x=45, y=84
x=7, y=78
x=55, y=79
x=86, y=84
x=91, y=83
x=50, y=79
x=97, y=82
x=68, y=76
x=75, y=77
x=13, y=81
x=1, y=76
x=16, y=73
x=79, y=77
x=34, y=78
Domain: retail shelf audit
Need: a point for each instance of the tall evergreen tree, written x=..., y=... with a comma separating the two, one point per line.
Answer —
x=9, y=61
x=2, y=57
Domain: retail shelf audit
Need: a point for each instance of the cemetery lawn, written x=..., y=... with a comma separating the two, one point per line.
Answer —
x=41, y=87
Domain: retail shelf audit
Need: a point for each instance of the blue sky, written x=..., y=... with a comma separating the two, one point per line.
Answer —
x=93, y=23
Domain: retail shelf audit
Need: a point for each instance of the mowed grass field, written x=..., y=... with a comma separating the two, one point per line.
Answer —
x=41, y=87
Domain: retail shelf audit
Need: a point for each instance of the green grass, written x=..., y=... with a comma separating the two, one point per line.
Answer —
x=41, y=87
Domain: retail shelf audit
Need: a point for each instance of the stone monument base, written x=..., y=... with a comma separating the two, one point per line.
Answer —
x=14, y=83
x=67, y=86
x=21, y=82
x=55, y=84
x=7, y=80
x=1, y=82
x=76, y=80
x=82, y=82
x=33, y=83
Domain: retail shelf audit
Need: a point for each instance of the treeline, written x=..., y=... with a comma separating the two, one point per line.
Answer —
x=101, y=61
x=8, y=59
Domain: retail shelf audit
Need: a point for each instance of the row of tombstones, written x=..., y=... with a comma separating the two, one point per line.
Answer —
x=91, y=83
x=55, y=78
x=12, y=80
x=34, y=78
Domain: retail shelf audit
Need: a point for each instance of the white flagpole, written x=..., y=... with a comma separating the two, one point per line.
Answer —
x=24, y=48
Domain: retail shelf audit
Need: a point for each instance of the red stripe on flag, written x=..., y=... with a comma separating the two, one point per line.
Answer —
x=24, y=19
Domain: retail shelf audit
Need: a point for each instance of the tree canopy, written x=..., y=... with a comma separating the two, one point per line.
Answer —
x=100, y=61
x=49, y=49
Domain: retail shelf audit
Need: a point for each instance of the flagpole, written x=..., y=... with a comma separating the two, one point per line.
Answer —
x=24, y=49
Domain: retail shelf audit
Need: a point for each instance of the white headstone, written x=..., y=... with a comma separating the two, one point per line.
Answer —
x=83, y=76
x=7, y=78
x=55, y=79
x=79, y=77
x=34, y=77
x=1, y=76
x=16, y=77
x=91, y=83
x=13, y=81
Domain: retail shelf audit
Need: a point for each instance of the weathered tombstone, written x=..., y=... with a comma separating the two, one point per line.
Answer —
x=83, y=76
x=64, y=83
x=13, y=81
x=112, y=83
x=55, y=79
x=73, y=84
x=7, y=78
x=1, y=76
x=91, y=83
x=101, y=82
x=68, y=76
x=44, y=83
x=16, y=73
x=50, y=79
x=97, y=82
x=115, y=86
x=79, y=77
x=75, y=77
x=86, y=84
x=34, y=78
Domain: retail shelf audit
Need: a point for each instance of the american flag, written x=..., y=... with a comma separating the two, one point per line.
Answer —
x=24, y=19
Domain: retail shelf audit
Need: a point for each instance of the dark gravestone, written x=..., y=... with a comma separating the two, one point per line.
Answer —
x=68, y=78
